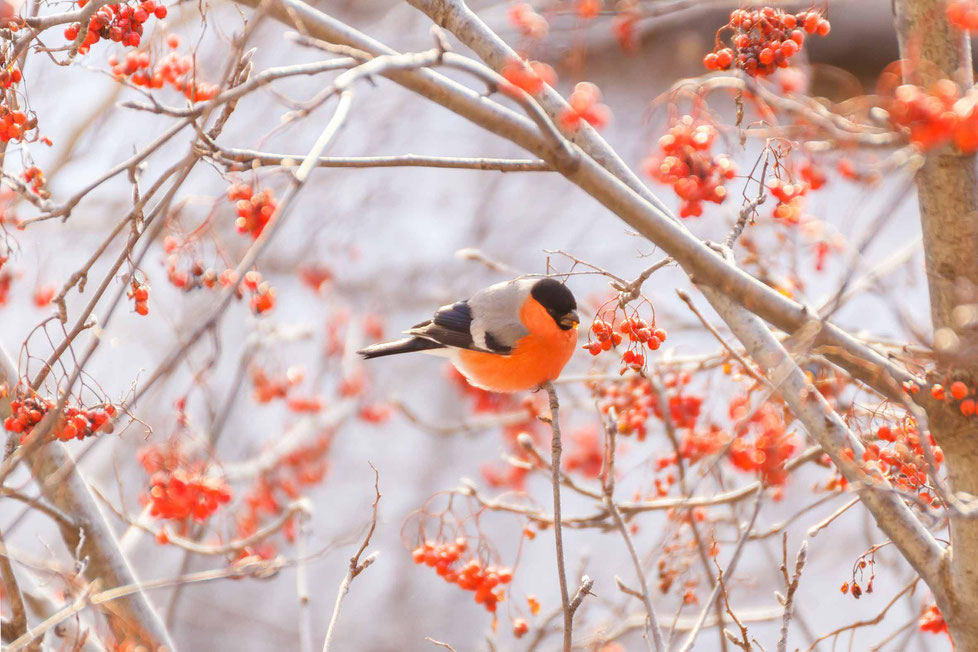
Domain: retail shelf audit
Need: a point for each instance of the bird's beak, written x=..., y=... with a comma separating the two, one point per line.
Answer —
x=569, y=320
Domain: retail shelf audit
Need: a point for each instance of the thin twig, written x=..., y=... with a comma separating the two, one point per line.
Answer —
x=789, y=597
x=558, y=533
x=356, y=566
x=731, y=566
x=608, y=485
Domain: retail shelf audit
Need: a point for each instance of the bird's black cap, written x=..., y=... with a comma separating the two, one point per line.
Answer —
x=554, y=296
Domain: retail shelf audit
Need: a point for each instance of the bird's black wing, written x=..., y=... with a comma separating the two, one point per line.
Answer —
x=452, y=326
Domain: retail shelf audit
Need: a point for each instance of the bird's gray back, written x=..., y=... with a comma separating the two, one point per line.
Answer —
x=496, y=310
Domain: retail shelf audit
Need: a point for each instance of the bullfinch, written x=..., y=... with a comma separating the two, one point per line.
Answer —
x=509, y=337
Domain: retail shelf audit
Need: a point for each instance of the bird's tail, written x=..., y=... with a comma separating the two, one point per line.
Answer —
x=404, y=345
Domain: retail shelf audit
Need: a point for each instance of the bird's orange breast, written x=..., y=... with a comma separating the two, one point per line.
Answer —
x=536, y=358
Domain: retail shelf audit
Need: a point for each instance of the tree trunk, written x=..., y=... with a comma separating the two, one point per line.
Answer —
x=947, y=190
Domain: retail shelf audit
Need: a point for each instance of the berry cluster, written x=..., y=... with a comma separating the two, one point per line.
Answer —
x=640, y=334
x=180, y=494
x=588, y=9
x=764, y=39
x=315, y=276
x=771, y=445
x=932, y=620
x=263, y=294
x=677, y=560
x=684, y=162
x=116, y=22
x=268, y=389
x=635, y=400
x=33, y=176
x=6, y=280
x=529, y=76
x=585, y=106
x=173, y=69
x=14, y=125
x=586, y=453
x=303, y=467
x=623, y=29
x=43, y=295
x=76, y=423
x=471, y=576
x=527, y=21
x=958, y=392
x=10, y=75
x=903, y=462
x=963, y=14
x=520, y=627
x=254, y=209
x=789, y=196
x=139, y=293
x=936, y=116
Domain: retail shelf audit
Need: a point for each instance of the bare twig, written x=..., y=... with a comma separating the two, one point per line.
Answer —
x=731, y=566
x=356, y=566
x=608, y=485
x=558, y=530
x=789, y=597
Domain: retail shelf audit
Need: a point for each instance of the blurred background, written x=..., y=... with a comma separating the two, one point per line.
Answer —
x=386, y=241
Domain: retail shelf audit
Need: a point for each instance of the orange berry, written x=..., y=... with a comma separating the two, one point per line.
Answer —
x=959, y=390
x=968, y=407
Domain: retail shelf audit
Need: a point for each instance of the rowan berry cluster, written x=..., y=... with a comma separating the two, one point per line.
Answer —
x=75, y=423
x=122, y=23
x=197, y=276
x=33, y=176
x=764, y=39
x=695, y=446
x=315, y=276
x=268, y=389
x=588, y=9
x=963, y=14
x=959, y=393
x=790, y=199
x=771, y=446
x=262, y=293
x=936, y=116
x=254, y=209
x=904, y=463
x=585, y=106
x=305, y=466
x=43, y=295
x=864, y=561
x=485, y=580
x=529, y=76
x=684, y=162
x=6, y=280
x=10, y=75
x=635, y=400
x=586, y=452
x=623, y=28
x=139, y=293
x=640, y=334
x=932, y=620
x=181, y=494
x=14, y=126
x=530, y=24
x=173, y=69
x=676, y=561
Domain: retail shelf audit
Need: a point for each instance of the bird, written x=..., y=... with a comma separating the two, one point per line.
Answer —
x=509, y=337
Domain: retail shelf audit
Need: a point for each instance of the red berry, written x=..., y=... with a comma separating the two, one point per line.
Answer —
x=959, y=390
x=968, y=407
